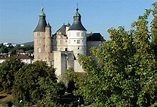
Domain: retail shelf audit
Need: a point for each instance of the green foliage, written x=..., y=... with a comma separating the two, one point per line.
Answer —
x=49, y=92
x=7, y=71
x=154, y=29
x=124, y=74
x=3, y=49
x=35, y=83
x=12, y=50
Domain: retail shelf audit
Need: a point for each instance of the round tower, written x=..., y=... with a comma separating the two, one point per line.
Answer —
x=77, y=36
x=48, y=43
x=39, y=34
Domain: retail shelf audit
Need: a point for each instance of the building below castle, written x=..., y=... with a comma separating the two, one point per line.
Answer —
x=62, y=48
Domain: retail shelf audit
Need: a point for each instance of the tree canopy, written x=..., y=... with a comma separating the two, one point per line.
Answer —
x=36, y=82
x=7, y=71
x=124, y=74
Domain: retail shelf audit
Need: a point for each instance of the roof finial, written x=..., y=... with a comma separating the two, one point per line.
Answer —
x=42, y=11
x=77, y=8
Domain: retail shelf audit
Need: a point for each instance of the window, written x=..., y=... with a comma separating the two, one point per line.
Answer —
x=39, y=50
x=78, y=41
x=38, y=57
x=69, y=41
x=83, y=34
x=61, y=41
x=39, y=41
x=38, y=33
x=78, y=33
x=58, y=42
x=69, y=34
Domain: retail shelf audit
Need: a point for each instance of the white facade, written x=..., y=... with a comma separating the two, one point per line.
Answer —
x=77, y=42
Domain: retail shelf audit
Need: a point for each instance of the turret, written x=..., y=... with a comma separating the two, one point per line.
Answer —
x=48, y=43
x=77, y=36
x=39, y=36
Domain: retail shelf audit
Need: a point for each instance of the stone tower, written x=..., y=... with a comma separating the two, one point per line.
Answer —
x=48, y=43
x=42, y=40
x=77, y=36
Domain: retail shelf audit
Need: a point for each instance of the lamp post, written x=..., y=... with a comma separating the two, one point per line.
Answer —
x=20, y=103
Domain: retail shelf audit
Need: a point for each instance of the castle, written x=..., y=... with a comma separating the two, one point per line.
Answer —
x=62, y=48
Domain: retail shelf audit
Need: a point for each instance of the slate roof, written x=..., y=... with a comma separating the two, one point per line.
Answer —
x=63, y=29
x=95, y=37
x=77, y=25
x=42, y=22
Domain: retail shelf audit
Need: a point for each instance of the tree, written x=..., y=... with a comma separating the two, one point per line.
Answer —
x=154, y=24
x=154, y=29
x=36, y=84
x=50, y=93
x=124, y=74
x=7, y=71
x=71, y=79
x=3, y=49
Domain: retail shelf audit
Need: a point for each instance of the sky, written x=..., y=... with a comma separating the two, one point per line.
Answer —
x=18, y=18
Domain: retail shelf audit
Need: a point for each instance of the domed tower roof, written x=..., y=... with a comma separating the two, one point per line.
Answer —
x=77, y=25
x=42, y=22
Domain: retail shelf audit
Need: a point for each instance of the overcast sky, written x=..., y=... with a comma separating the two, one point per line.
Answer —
x=18, y=18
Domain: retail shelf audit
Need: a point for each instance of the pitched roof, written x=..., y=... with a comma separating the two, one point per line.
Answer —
x=63, y=29
x=95, y=37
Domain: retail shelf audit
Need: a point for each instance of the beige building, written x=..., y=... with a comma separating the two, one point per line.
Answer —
x=24, y=58
x=62, y=48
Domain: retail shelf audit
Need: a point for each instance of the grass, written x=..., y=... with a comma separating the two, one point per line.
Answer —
x=5, y=98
